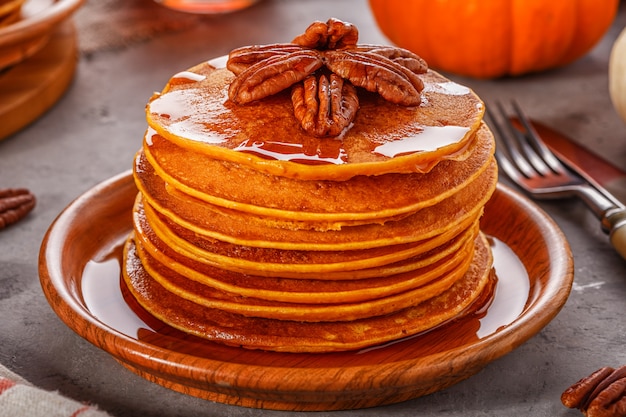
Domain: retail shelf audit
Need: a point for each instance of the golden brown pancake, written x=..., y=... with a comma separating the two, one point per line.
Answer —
x=414, y=255
x=304, y=311
x=232, y=226
x=323, y=262
x=349, y=287
x=295, y=336
x=337, y=203
x=193, y=111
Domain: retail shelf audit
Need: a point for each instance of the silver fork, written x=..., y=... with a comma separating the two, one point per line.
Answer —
x=529, y=163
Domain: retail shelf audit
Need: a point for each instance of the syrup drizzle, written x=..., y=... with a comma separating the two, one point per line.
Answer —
x=186, y=77
x=450, y=88
x=429, y=138
x=295, y=152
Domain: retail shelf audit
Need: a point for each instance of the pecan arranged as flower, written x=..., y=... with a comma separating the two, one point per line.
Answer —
x=324, y=65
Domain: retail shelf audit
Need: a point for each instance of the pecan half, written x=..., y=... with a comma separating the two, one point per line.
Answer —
x=262, y=71
x=378, y=74
x=241, y=59
x=601, y=394
x=324, y=107
x=399, y=55
x=14, y=205
x=272, y=75
x=334, y=34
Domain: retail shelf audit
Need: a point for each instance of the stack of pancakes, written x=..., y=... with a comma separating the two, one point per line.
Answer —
x=250, y=232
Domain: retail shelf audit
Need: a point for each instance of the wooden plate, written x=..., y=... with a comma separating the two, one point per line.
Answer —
x=40, y=18
x=79, y=268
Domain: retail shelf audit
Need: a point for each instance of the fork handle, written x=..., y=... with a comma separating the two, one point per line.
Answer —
x=615, y=223
x=610, y=211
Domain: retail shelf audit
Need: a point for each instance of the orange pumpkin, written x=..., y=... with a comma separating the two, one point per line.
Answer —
x=494, y=38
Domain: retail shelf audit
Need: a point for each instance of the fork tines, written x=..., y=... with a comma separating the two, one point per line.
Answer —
x=526, y=159
x=526, y=149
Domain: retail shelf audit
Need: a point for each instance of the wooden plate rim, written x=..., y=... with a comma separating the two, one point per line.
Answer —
x=187, y=368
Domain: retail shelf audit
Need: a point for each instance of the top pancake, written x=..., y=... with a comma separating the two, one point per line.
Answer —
x=193, y=111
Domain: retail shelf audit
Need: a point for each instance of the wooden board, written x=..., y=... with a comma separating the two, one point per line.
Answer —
x=33, y=86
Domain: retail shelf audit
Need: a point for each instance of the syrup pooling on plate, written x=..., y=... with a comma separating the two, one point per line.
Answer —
x=103, y=297
x=512, y=290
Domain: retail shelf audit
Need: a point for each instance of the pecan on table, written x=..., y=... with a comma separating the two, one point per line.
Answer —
x=601, y=394
x=332, y=47
x=15, y=203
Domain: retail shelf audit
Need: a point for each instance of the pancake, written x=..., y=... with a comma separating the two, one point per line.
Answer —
x=339, y=215
x=326, y=204
x=194, y=111
x=303, y=311
x=226, y=225
x=295, y=336
x=323, y=288
x=326, y=264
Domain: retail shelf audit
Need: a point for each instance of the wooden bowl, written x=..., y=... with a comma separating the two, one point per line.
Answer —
x=79, y=268
x=53, y=68
x=40, y=18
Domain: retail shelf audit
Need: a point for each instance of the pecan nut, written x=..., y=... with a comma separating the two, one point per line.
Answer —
x=272, y=75
x=601, y=394
x=334, y=34
x=401, y=56
x=15, y=203
x=262, y=71
x=376, y=73
x=241, y=59
x=325, y=106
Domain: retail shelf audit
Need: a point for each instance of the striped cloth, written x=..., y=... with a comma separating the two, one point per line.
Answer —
x=18, y=398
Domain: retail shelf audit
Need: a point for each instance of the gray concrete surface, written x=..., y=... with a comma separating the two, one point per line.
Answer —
x=95, y=129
